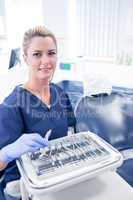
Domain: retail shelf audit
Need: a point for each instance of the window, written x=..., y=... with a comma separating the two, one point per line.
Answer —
x=98, y=27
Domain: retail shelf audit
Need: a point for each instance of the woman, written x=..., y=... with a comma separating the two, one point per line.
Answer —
x=34, y=108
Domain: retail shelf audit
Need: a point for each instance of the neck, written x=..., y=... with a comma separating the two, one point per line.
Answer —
x=40, y=86
x=39, y=89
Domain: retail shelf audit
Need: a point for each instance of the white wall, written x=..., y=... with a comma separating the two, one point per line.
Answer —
x=20, y=16
x=55, y=15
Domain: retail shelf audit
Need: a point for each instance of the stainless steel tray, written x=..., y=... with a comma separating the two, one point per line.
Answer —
x=68, y=161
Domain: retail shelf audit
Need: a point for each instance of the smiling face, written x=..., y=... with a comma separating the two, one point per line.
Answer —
x=41, y=56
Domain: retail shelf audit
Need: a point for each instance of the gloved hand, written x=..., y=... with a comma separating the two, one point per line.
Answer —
x=26, y=143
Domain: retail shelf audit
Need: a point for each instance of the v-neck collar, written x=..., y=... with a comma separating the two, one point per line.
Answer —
x=52, y=95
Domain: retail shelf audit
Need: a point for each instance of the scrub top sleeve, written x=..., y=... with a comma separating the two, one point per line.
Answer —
x=70, y=114
x=11, y=125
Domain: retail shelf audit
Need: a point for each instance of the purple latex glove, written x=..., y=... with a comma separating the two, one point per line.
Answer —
x=26, y=143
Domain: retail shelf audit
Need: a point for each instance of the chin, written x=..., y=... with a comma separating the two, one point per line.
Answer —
x=45, y=77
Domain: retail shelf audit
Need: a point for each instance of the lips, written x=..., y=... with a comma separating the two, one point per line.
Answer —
x=44, y=68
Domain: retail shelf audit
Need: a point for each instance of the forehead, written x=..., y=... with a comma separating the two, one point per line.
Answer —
x=41, y=43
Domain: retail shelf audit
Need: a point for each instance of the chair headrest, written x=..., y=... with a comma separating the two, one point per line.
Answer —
x=95, y=84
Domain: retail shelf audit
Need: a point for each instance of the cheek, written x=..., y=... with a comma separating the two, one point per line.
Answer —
x=54, y=62
x=32, y=62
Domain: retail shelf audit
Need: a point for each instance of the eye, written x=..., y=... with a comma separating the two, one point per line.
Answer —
x=37, y=54
x=51, y=53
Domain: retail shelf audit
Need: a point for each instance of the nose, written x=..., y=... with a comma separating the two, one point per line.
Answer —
x=45, y=59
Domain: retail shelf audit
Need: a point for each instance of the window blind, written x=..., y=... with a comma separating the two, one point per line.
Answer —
x=98, y=27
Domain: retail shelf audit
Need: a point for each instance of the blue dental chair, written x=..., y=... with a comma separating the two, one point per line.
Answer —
x=74, y=89
x=111, y=117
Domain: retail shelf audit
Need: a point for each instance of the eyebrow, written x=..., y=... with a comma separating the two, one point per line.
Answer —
x=42, y=50
x=52, y=50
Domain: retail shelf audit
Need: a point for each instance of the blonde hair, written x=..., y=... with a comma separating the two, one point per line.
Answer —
x=40, y=31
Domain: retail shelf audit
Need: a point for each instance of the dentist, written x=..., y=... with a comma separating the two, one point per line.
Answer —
x=34, y=107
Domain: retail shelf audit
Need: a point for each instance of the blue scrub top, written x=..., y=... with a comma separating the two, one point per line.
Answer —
x=23, y=112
